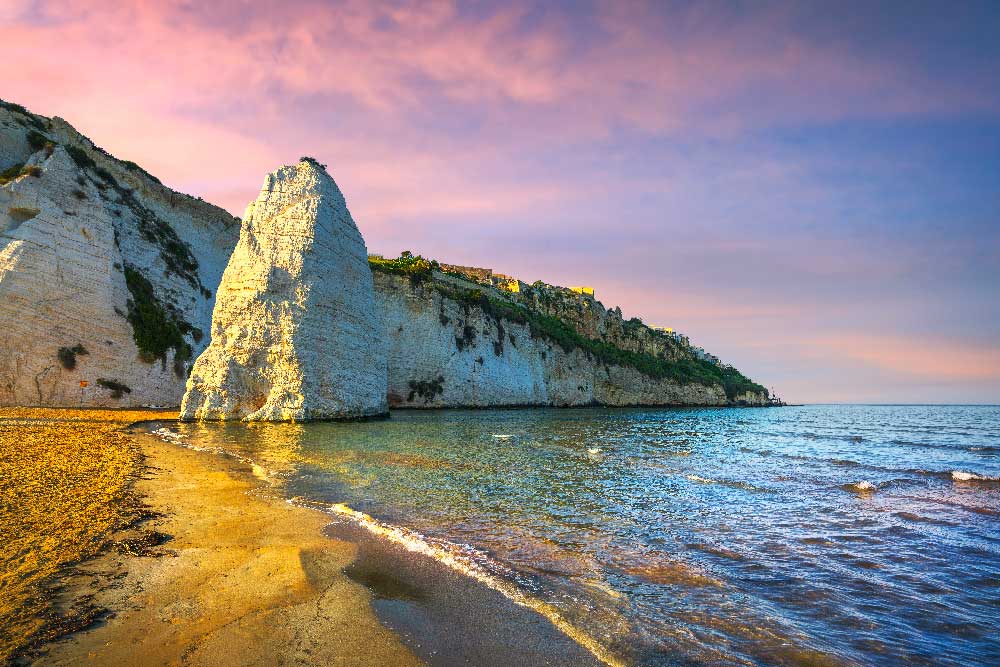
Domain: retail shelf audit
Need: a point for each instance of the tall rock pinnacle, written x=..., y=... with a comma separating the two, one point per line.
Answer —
x=295, y=331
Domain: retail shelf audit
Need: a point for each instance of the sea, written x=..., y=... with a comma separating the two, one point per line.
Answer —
x=811, y=535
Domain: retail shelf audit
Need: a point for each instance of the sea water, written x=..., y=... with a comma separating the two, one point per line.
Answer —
x=840, y=535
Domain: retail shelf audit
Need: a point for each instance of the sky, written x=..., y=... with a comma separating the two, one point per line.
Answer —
x=810, y=190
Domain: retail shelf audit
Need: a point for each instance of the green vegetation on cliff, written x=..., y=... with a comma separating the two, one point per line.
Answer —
x=686, y=370
x=414, y=267
x=67, y=355
x=22, y=116
x=156, y=328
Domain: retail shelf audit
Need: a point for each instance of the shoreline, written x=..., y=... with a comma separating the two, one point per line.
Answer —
x=259, y=580
x=250, y=581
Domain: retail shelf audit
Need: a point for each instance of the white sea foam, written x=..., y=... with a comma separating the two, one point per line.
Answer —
x=473, y=563
x=864, y=486
x=167, y=435
x=963, y=476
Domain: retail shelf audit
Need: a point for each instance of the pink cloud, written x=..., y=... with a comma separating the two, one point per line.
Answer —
x=938, y=358
x=399, y=59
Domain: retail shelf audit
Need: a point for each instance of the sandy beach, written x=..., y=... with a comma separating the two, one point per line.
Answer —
x=67, y=492
x=204, y=565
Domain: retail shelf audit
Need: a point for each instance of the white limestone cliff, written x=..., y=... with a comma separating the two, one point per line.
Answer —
x=443, y=353
x=295, y=331
x=74, y=223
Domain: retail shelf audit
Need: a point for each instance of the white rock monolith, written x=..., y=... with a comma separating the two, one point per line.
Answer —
x=295, y=331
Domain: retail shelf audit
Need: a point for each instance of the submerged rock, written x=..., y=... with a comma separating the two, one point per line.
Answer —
x=295, y=331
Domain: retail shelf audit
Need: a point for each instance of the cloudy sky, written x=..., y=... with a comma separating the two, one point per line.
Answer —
x=810, y=190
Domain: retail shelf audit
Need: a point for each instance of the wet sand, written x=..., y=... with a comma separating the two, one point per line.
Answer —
x=449, y=619
x=228, y=573
x=244, y=579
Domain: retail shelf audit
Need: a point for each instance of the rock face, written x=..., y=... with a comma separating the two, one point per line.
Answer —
x=295, y=331
x=443, y=353
x=105, y=274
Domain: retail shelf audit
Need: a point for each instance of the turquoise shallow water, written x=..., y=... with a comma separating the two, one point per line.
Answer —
x=841, y=535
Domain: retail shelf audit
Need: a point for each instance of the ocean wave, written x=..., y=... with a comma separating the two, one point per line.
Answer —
x=965, y=476
x=919, y=518
x=862, y=487
x=736, y=484
x=986, y=511
x=848, y=463
x=983, y=449
x=470, y=562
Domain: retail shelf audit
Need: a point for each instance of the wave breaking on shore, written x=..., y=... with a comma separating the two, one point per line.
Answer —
x=464, y=559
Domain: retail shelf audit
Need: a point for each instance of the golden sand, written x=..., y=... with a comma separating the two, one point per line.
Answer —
x=65, y=490
x=248, y=579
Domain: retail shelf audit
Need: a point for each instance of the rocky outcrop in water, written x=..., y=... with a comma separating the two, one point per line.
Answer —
x=295, y=331
x=106, y=276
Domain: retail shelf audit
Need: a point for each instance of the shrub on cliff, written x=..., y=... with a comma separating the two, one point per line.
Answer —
x=80, y=157
x=67, y=355
x=156, y=328
x=426, y=389
x=416, y=268
x=132, y=166
x=37, y=140
x=10, y=173
x=116, y=388
x=312, y=160
x=25, y=117
x=22, y=213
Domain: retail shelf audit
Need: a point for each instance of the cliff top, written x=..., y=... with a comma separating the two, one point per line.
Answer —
x=38, y=130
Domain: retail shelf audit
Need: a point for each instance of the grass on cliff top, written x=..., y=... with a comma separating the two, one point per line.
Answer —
x=414, y=267
x=24, y=117
x=684, y=371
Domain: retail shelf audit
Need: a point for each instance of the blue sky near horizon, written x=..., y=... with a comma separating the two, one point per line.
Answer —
x=809, y=190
